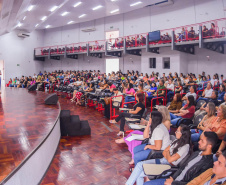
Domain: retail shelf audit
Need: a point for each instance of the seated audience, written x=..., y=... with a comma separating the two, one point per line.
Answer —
x=138, y=109
x=116, y=101
x=185, y=112
x=158, y=137
x=129, y=94
x=173, y=155
x=132, y=144
x=215, y=175
x=197, y=163
x=208, y=118
x=218, y=124
x=176, y=104
x=191, y=33
x=221, y=93
x=192, y=92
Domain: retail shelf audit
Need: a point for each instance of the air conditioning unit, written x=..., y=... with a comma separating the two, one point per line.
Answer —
x=89, y=30
x=23, y=35
x=161, y=3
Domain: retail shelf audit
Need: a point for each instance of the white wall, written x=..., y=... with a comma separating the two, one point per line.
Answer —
x=182, y=12
x=164, y=52
x=199, y=62
x=15, y=50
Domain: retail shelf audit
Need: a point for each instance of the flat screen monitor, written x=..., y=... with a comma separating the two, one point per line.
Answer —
x=154, y=36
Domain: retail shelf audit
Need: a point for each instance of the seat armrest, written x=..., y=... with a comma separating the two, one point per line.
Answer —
x=155, y=169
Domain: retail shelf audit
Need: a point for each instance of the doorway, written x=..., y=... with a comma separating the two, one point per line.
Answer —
x=112, y=65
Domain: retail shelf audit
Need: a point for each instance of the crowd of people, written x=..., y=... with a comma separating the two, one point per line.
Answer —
x=195, y=151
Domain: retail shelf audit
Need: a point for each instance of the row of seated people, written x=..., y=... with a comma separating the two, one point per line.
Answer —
x=180, y=153
x=62, y=50
x=133, y=41
x=157, y=134
x=191, y=34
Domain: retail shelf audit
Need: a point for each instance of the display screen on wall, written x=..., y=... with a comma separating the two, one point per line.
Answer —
x=154, y=36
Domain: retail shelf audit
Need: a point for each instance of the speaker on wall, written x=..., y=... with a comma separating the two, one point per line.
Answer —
x=32, y=87
x=51, y=99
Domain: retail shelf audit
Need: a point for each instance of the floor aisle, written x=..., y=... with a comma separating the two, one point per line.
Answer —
x=87, y=160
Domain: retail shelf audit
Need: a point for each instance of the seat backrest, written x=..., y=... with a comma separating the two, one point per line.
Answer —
x=184, y=160
x=144, y=113
x=199, y=118
x=200, y=103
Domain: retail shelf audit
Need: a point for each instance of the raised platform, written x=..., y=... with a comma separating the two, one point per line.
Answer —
x=29, y=136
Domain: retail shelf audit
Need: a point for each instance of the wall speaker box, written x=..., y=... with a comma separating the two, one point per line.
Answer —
x=32, y=87
x=51, y=99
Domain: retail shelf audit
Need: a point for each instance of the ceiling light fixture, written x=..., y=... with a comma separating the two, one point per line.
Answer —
x=113, y=11
x=113, y=0
x=47, y=26
x=19, y=24
x=77, y=4
x=24, y=18
x=65, y=13
x=43, y=18
x=134, y=4
x=70, y=22
x=53, y=8
x=36, y=25
x=97, y=7
x=30, y=8
x=82, y=15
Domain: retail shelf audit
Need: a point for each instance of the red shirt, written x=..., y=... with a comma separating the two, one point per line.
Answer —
x=190, y=113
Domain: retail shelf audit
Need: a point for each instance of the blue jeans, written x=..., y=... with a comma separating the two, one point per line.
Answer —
x=201, y=98
x=138, y=173
x=129, y=99
x=140, y=154
x=174, y=119
x=195, y=136
x=170, y=94
x=155, y=182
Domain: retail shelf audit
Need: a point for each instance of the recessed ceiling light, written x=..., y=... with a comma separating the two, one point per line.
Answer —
x=134, y=4
x=36, y=25
x=43, y=18
x=65, y=13
x=24, y=18
x=77, y=4
x=47, y=26
x=82, y=15
x=30, y=8
x=113, y=0
x=97, y=7
x=113, y=11
x=53, y=8
x=19, y=25
x=70, y=22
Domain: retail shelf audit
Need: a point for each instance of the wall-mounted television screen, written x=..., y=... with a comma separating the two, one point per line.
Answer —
x=154, y=36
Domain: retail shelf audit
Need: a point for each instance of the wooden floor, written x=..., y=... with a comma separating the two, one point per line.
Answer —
x=89, y=160
x=24, y=122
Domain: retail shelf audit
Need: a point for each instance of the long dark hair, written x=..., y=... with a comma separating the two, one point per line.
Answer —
x=140, y=96
x=130, y=86
x=156, y=117
x=191, y=100
x=184, y=139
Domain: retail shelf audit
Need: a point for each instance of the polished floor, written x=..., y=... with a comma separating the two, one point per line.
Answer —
x=89, y=160
x=24, y=122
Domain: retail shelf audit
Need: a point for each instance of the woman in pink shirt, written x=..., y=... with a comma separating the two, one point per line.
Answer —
x=129, y=94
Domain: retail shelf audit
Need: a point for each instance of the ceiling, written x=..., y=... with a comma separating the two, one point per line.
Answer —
x=15, y=14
